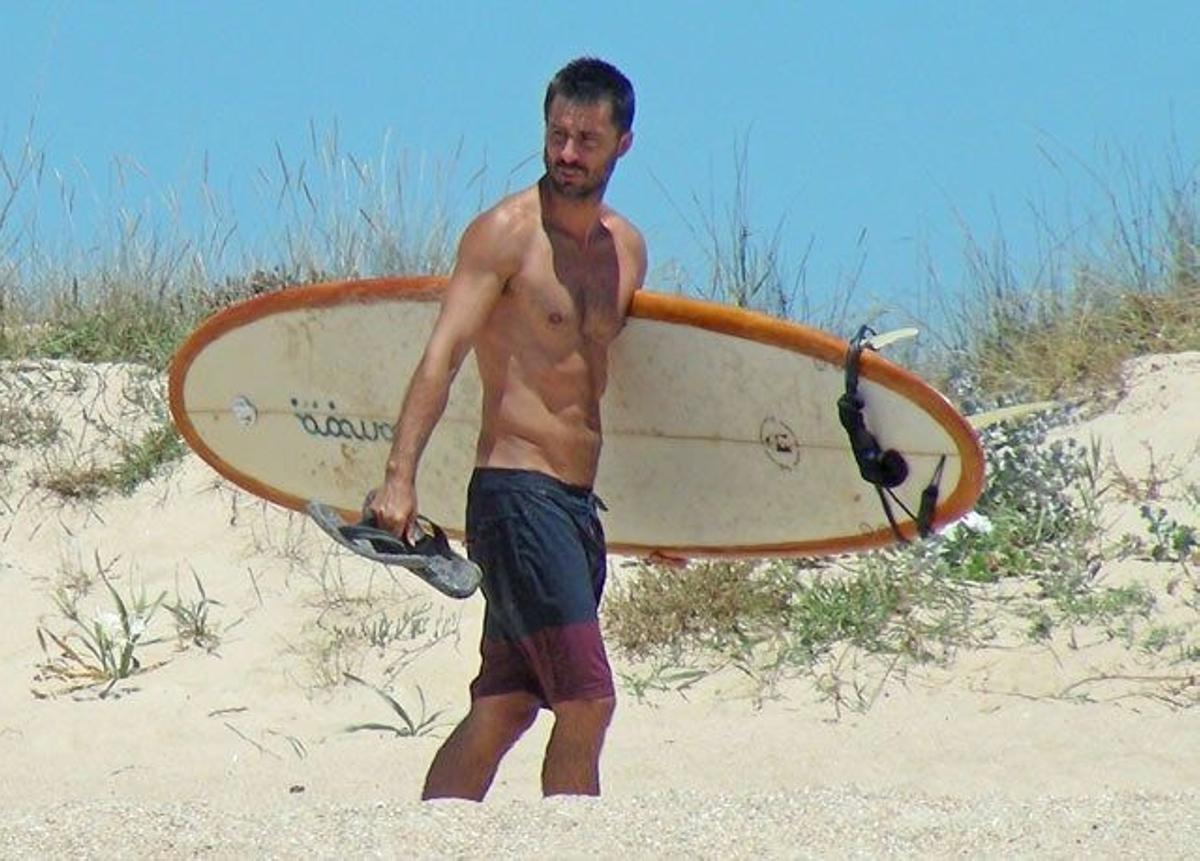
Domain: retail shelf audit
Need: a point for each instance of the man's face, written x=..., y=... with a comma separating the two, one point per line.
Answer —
x=582, y=147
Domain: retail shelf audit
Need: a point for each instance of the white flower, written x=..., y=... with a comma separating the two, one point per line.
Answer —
x=972, y=520
x=137, y=626
x=110, y=624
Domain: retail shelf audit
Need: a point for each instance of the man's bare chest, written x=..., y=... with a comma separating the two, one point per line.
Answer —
x=573, y=295
x=580, y=309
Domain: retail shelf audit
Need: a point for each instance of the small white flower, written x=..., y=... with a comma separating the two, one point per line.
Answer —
x=972, y=520
x=110, y=623
x=137, y=626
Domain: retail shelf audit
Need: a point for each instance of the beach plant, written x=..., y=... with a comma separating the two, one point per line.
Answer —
x=398, y=639
x=120, y=322
x=414, y=624
x=136, y=463
x=708, y=601
x=288, y=543
x=1191, y=495
x=1161, y=637
x=750, y=267
x=28, y=427
x=326, y=659
x=1171, y=541
x=142, y=460
x=359, y=623
x=78, y=482
x=1079, y=601
x=1149, y=487
x=108, y=640
x=74, y=582
x=194, y=622
x=670, y=672
x=420, y=722
x=298, y=748
x=789, y=614
x=1037, y=515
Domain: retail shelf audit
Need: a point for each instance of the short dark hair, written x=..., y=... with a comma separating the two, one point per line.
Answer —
x=588, y=80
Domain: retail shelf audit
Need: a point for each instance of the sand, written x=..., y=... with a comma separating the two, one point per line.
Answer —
x=237, y=746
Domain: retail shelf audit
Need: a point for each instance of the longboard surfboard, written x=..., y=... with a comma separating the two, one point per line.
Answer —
x=721, y=430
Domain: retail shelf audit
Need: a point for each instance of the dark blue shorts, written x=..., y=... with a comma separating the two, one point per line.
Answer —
x=541, y=547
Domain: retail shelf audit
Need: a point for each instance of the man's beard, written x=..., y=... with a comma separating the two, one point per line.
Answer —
x=585, y=186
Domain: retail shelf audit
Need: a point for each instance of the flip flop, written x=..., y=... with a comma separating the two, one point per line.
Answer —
x=430, y=557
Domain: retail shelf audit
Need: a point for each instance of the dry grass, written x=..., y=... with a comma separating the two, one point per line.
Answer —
x=1070, y=325
x=1054, y=346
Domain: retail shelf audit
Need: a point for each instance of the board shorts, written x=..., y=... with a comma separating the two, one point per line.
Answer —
x=541, y=547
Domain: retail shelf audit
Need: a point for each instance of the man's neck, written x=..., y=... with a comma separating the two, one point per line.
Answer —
x=579, y=219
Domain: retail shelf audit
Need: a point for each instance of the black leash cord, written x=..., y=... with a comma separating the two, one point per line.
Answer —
x=882, y=469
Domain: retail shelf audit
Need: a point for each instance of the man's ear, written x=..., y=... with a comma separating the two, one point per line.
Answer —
x=625, y=143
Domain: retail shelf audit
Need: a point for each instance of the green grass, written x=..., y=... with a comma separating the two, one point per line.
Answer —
x=412, y=722
x=138, y=462
x=141, y=461
x=121, y=324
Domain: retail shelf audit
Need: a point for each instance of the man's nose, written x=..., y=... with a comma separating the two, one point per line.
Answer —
x=569, y=151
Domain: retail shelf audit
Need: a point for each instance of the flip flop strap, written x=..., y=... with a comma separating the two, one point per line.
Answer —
x=374, y=534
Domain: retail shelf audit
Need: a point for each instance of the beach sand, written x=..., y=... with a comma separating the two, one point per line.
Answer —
x=1085, y=743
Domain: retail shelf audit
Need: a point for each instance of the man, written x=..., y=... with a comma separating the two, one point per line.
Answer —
x=540, y=289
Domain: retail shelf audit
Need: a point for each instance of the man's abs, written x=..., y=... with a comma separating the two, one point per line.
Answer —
x=522, y=429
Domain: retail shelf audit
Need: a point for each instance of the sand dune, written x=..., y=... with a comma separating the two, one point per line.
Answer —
x=238, y=745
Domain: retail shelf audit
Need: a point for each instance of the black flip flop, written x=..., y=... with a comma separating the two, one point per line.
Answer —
x=430, y=557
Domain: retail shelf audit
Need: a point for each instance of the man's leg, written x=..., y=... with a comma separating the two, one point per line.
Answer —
x=466, y=763
x=572, y=765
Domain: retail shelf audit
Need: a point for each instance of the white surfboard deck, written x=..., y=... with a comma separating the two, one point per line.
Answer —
x=721, y=432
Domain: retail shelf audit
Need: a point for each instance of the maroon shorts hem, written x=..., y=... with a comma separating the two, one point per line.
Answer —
x=555, y=664
x=598, y=692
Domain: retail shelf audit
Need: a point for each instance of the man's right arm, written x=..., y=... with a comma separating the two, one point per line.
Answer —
x=487, y=258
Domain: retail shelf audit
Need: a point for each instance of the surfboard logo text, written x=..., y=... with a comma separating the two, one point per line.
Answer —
x=779, y=442
x=319, y=422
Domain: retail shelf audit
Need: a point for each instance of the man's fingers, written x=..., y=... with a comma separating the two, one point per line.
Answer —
x=387, y=514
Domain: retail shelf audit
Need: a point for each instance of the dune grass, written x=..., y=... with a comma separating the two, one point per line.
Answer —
x=132, y=292
x=1129, y=288
x=1062, y=335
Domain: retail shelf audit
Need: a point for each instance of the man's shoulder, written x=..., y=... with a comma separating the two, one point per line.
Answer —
x=498, y=238
x=518, y=211
x=624, y=232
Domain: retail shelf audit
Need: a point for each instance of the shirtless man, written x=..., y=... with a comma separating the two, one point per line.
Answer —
x=540, y=289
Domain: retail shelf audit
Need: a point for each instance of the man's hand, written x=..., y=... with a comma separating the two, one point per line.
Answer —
x=394, y=505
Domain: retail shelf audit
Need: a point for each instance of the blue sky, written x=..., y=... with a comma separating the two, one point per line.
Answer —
x=876, y=133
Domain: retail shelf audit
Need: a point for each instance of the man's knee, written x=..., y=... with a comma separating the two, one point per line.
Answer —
x=507, y=716
x=585, y=714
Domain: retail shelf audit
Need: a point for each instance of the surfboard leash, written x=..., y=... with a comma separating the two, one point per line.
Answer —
x=882, y=469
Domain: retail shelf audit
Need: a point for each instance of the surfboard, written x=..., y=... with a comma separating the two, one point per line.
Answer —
x=721, y=429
